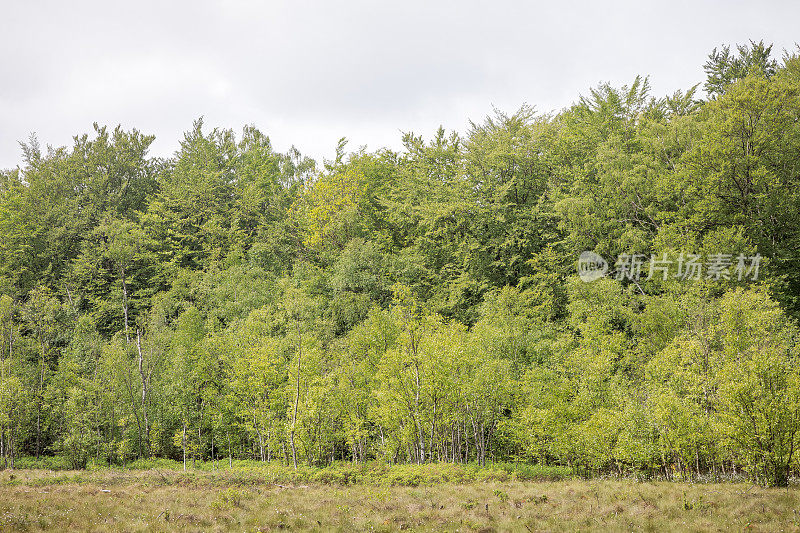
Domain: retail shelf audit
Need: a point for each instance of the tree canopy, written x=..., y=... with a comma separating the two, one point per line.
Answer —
x=423, y=304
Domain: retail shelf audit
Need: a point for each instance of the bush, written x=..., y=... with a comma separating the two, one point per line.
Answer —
x=43, y=463
x=342, y=473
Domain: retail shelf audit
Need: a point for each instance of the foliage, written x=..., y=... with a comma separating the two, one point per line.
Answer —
x=411, y=317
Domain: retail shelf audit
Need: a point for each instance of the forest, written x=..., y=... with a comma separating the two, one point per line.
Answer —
x=422, y=305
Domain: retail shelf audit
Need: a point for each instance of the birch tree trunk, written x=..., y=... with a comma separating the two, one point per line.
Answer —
x=125, y=304
x=145, y=377
x=296, y=395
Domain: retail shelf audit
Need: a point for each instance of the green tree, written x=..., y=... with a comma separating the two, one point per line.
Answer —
x=724, y=67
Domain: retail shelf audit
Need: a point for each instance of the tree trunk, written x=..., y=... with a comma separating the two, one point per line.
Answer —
x=230, y=451
x=197, y=452
x=3, y=429
x=39, y=406
x=466, y=444
x=125, y=304
x=145, y=384
x=433, y=430
x=420, y=436
x=10, y=448
x=183, y=445
x=296, y=395
x=260, y=445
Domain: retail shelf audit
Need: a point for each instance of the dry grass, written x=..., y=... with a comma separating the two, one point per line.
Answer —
x=106, y=500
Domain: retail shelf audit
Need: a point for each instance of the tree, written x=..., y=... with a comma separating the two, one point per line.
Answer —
x=296, y=309
x=186, y=371
x=724, y=67
x=41, y=312
x=759, y=393
x=257, y=365
x=113, y=272
x=13, y=399
x=748, y=177
x=188, y=218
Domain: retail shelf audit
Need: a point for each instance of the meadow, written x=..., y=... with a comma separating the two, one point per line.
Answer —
x=213, y=497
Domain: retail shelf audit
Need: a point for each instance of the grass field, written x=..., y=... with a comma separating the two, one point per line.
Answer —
x=250, y=499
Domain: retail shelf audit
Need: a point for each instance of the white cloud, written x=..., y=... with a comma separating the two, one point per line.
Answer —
x=307, y=73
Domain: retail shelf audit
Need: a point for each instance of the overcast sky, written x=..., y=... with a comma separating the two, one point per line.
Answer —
x=307, y=73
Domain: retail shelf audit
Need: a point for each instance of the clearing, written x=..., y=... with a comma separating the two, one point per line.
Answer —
x=228, y=500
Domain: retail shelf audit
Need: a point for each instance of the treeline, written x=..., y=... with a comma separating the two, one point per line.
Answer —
x=422, y=305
